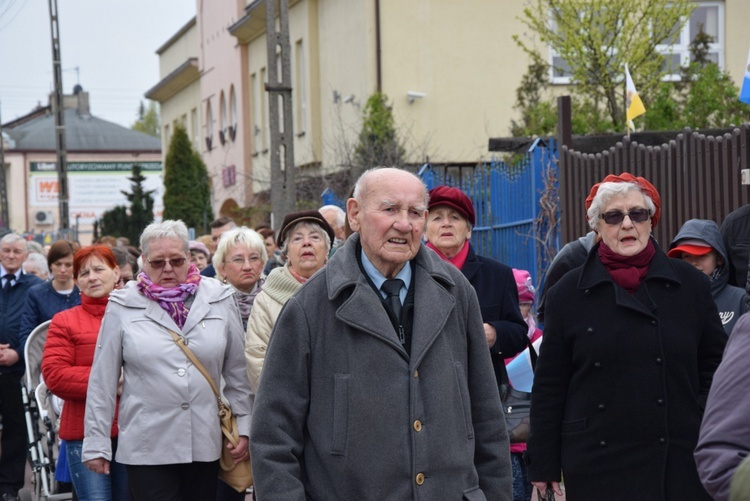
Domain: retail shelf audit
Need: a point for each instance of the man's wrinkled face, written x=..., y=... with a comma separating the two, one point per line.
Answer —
x=390, y=218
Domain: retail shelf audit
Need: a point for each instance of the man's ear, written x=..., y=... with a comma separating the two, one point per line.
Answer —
x=352, y=212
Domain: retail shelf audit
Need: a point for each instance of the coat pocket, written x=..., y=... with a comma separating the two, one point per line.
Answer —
x=340, y=413
x=474, y=494
x=463, y=390
x=574, y=426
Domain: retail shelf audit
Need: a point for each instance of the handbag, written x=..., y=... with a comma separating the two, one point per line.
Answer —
x=238, y=476
x=517, y=405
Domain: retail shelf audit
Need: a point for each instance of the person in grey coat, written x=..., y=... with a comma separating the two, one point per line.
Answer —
x=369, y=395
x=699, y=243
x=724, y=439
x=170, y=437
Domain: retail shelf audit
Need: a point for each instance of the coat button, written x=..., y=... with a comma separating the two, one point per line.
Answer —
x=660, y=402
x=590, y=331
x=587, y=292
x=416, y=374
x=185, y=406
x=658, y=360
x=602, y=444
x=417, y=425
x=597, y=365
x=602, y=407
x=653, y=322
x=181, y=372
x=419, y=479
x=662, y=441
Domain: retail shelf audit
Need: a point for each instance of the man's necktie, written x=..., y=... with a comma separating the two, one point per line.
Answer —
x=392, y=287
x=9, y=277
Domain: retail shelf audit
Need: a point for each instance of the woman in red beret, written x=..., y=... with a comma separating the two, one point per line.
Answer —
x=631, y=342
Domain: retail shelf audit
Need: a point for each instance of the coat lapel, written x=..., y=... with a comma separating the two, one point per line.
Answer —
x=433, y=304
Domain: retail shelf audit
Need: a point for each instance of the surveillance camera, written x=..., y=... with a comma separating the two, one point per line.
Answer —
x=412, y=95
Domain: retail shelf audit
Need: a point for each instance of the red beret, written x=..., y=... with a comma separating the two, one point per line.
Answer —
x=455, y=198
x=647, y=188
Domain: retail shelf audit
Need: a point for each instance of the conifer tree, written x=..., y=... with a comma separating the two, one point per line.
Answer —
x=187, y=189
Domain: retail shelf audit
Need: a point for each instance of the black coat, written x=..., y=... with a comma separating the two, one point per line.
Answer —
x=621, y=383
x=498, y=299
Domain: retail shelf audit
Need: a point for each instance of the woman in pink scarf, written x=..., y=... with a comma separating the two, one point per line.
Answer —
x=170, y=439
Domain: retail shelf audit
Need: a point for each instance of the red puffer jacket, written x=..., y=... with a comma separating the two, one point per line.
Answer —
x=67, y=359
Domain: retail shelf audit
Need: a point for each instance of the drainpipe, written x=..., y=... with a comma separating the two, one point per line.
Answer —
x=379, y=70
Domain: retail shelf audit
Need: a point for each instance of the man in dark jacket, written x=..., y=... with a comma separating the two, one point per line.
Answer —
x=15, y=285
x=372, y=392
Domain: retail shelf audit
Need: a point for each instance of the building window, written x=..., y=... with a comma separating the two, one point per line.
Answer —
x=265, y=132
x=255, y=110
x=194, y=129
x=708, y=16
x=209, y=126
x=223, y=123
x=232, y=114
x=301, y=91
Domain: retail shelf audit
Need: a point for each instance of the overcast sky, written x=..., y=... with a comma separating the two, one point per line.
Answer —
x=112, y=43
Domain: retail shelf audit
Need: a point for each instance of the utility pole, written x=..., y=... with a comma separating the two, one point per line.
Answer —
x=283, y=187
x=59, y=111
x=5, y=219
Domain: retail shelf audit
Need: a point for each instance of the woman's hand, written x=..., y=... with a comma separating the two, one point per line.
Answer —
x=240, y=452
x=491, y=334
x=98, y=465
x=542, y=487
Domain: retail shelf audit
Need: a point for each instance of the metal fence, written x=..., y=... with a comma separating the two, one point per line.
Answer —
x=698, y=176
x=511, y=204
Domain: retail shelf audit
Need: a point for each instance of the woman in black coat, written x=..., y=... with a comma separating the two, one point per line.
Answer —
x=631, y=341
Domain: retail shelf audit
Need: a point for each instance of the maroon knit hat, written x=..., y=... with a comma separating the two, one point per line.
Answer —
x=455, y=198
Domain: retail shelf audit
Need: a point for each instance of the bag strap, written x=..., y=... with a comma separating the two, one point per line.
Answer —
x=179, y=341
x=532, y=353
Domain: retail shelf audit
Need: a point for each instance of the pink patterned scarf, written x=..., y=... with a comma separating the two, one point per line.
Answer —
x=171, y=299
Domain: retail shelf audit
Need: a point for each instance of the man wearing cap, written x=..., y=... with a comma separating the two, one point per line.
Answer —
x=378, y=383
x=699, y=243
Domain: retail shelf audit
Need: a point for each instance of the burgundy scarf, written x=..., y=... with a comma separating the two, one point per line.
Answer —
x=458, y=260
x=627, y=271
x=171, y=299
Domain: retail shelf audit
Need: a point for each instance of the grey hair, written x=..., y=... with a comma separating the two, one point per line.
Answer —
x=12, y=238
x=340, y=214
x=37, y=260
x=169, y=229
x=608, y=191
x=239, y=236
x=362, y=185
x=310, y=226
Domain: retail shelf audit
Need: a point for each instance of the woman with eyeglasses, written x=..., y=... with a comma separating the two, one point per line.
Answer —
x=170, y=439
x=305, y=240
x=239, y=261
x=631, y=342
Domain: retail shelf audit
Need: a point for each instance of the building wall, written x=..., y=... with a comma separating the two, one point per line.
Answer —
x=223, y=64
x=180, y=50
x=185, y=108
x=736, y=16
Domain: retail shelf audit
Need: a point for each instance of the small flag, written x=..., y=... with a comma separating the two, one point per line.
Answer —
x=635, y=106
x=745, y=92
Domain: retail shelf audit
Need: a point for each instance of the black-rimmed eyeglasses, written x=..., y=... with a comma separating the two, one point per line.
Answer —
x=617, y=217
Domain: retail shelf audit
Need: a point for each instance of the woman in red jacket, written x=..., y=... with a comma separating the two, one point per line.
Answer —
x=66, y=364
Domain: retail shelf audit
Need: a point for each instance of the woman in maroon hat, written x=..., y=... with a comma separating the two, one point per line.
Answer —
x=631, y=342
x=305, y=240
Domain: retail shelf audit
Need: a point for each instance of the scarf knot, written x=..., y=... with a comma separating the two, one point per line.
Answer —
x=171, y=299
x=627, y=271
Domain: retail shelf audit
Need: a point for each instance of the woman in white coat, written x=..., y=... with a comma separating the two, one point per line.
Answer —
x=170, y=439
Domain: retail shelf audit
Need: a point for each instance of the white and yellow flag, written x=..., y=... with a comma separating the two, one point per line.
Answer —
x=634, y=104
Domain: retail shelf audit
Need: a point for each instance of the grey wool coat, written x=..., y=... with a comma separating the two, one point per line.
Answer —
x=343, y=413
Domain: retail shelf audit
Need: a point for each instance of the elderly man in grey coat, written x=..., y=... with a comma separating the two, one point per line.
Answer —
x=378, y=383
